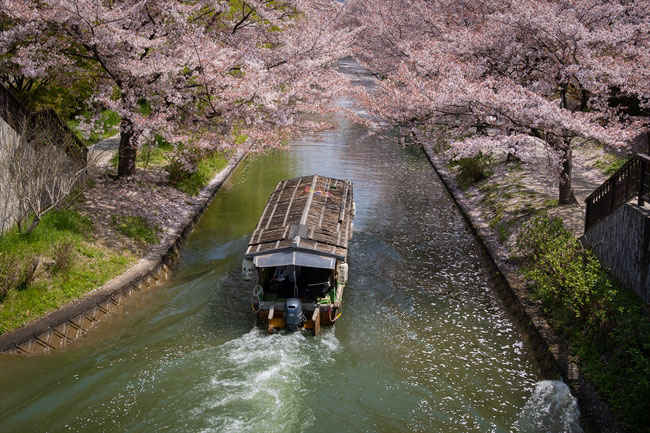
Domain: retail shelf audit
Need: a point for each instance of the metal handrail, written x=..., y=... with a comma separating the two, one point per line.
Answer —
x=632, y=179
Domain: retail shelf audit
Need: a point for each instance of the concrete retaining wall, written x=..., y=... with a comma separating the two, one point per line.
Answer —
x=622, y=242
x=551, y=353
x=65, y=325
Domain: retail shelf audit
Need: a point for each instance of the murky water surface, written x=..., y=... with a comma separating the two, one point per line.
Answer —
x=423, y=343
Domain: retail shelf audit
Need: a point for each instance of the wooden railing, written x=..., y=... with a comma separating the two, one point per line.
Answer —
x=629, y=181
x=19, y=117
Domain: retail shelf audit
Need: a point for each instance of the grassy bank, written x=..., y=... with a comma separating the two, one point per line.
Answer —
x=74, y=251
x=57, y=262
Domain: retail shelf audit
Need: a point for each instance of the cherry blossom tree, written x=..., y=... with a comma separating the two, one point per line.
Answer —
x=194, y=72
x=510, y=71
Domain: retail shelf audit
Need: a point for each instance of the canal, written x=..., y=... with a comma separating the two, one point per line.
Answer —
x=423, y=343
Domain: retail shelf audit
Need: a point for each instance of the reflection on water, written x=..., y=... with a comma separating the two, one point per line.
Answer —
x=423, y=343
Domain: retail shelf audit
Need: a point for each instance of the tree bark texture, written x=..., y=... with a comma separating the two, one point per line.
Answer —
x=566, y=195
x=127, y=150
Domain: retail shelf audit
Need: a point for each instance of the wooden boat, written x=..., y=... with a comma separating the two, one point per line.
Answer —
x=297, y=253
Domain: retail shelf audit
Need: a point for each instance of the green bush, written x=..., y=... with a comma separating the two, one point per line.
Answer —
x=183, y=163
x=563, y=273
x=472, y=169
x=8, y=274
x=606, y=326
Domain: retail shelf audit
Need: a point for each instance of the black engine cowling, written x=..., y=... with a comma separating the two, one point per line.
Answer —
x=293, y=314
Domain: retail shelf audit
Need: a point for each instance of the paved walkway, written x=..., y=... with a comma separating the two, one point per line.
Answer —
x=100, y=154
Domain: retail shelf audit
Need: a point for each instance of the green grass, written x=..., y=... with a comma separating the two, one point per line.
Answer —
x=56, y=226
x=109, y=124
x=137, y=228
x=154, y=155
x=91, y=265
x=205, y=171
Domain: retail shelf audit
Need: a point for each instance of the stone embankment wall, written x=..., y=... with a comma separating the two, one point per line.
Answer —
x=552, y=354
x=67, y=324
x=622, y=242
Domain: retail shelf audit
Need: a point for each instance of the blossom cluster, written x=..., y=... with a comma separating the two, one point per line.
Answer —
x=488, y=75
x=197, y=72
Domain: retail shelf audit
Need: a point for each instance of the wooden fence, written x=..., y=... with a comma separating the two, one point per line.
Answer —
x=631, y=180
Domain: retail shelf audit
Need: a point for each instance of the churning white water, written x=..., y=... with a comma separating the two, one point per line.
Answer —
x=550, y=408
x=258, y=382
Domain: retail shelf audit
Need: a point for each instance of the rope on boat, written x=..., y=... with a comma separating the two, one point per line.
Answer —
x=257, y=292
x=329, y=313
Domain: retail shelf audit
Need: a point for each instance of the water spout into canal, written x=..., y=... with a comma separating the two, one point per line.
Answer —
x=423, y=344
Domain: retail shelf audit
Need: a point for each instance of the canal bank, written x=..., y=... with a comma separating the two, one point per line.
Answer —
x=424, y=343
x=551, y=352
x=67, y=324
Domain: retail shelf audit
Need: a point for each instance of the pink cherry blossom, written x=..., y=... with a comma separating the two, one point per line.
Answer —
x=199, y=67
x=482, y=75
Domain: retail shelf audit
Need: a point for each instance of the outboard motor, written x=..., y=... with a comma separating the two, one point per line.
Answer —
x=293, y=315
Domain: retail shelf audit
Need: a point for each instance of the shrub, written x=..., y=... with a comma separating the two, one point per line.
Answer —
x=183, y=163
x=472, y=169
x=190, y=179
x=8, y=274
x=606, y=325
x=27, y=271
x=62, y=256
x=564, y=274
x=17, y=272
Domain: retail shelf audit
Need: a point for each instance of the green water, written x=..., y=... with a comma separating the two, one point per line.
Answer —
x=423, y=343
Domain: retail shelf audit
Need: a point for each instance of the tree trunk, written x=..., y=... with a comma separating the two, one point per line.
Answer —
x=127, y=150
x=566, y=188
x=33, y=225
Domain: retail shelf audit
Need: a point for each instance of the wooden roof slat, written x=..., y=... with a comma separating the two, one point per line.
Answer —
x=290, y=201
x=278, y=190
x=343, y=200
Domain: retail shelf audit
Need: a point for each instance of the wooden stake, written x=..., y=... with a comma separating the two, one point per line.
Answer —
x=316, y=319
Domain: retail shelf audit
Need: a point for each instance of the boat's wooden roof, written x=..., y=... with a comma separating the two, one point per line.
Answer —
x=312, y=213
